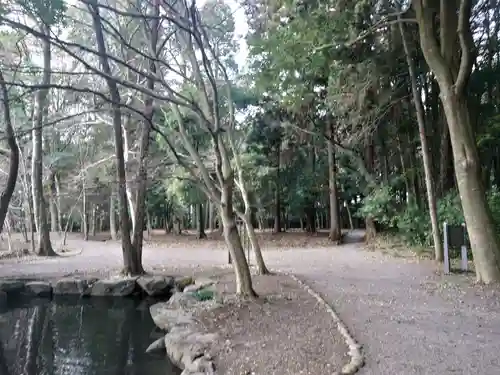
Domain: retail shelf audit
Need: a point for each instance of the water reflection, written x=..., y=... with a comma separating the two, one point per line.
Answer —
x=87, y=337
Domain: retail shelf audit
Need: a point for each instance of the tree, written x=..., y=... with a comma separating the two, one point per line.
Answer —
x=452, y=74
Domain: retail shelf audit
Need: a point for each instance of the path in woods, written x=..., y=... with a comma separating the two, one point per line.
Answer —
x=408, y=319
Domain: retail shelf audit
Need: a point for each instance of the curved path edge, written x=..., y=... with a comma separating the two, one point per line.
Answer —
x=355, y=353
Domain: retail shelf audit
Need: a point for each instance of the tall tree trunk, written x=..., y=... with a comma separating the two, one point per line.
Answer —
x=54, y=226
x=40, y=111
x=129, y=257
x=58, y=201
x=142, y=175
x=429, y=183
x=112, y=217
x=93, y=219
x=28, y=201
x=484, y=242
x=277, y=195
x=371, y=230
x=211, y=218
x=85, y=216
x=13, y=155
x=335, y=234
x=200, y=225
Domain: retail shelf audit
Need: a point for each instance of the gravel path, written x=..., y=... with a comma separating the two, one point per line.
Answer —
x=408, y=319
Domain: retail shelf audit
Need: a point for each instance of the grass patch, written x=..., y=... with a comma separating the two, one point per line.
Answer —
x=204, y=294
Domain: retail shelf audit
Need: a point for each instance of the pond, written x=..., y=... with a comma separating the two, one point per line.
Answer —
x=92, y=336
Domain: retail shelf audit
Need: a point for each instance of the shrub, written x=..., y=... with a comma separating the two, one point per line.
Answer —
x=414, y=226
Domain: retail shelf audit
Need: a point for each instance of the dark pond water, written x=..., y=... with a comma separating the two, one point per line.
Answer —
x=85, y=337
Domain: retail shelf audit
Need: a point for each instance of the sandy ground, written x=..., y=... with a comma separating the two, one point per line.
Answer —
x=408, y=319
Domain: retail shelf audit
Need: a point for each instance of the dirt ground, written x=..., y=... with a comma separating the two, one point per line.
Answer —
x=284, y=332
x=409, y=318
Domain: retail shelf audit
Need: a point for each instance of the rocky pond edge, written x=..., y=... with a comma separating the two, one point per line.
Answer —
x=186, y=343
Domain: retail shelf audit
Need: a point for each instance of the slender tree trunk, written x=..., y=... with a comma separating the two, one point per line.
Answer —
x=28, y=201
x=277, y=195
x=351, y=224
x=112, y=217
x=254, y=242
x=58, y=201
x=371, y=229
x=335, y=234
x=149, y=226
x=211, y=218
x=13, y=155
x=429, y=183
x=142, y=175
x=200, y=226
x=54, y=225
x=233, y=241
x=44, y=245
x=85, y=216
x=93, y=219
x=129, y=258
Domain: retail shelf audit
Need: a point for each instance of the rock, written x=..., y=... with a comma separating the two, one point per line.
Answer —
x=38, y=288
x=184, y=346
x=157, y=346
x=203, y=282
x=3, y=299
x=200, y=366
x=11, y=286
x=116, y=287
x=73, y=286
x=166, y=318
x=181, y=282
x=156, y=285
x=191, y=288
x=182, y=301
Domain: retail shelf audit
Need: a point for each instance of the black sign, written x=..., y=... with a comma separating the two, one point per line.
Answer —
x=457, y=236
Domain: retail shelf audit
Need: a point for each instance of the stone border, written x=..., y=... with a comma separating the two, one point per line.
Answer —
x=187, y=346
x=357, y=359
x=154, y=286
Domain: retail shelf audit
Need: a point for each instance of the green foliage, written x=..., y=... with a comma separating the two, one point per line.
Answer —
x=380, y=205
x=414, y=225
x=494, y=204
x=204, y=294
x=50, y=12
x=411, y=222
x=450, y=209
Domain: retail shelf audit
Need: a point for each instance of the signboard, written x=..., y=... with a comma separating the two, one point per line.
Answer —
x=455, y=237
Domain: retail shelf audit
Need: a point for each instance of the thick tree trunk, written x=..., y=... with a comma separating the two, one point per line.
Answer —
x=429, y=183
x=44, y=245
x=480, y=227
x=335, y=234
